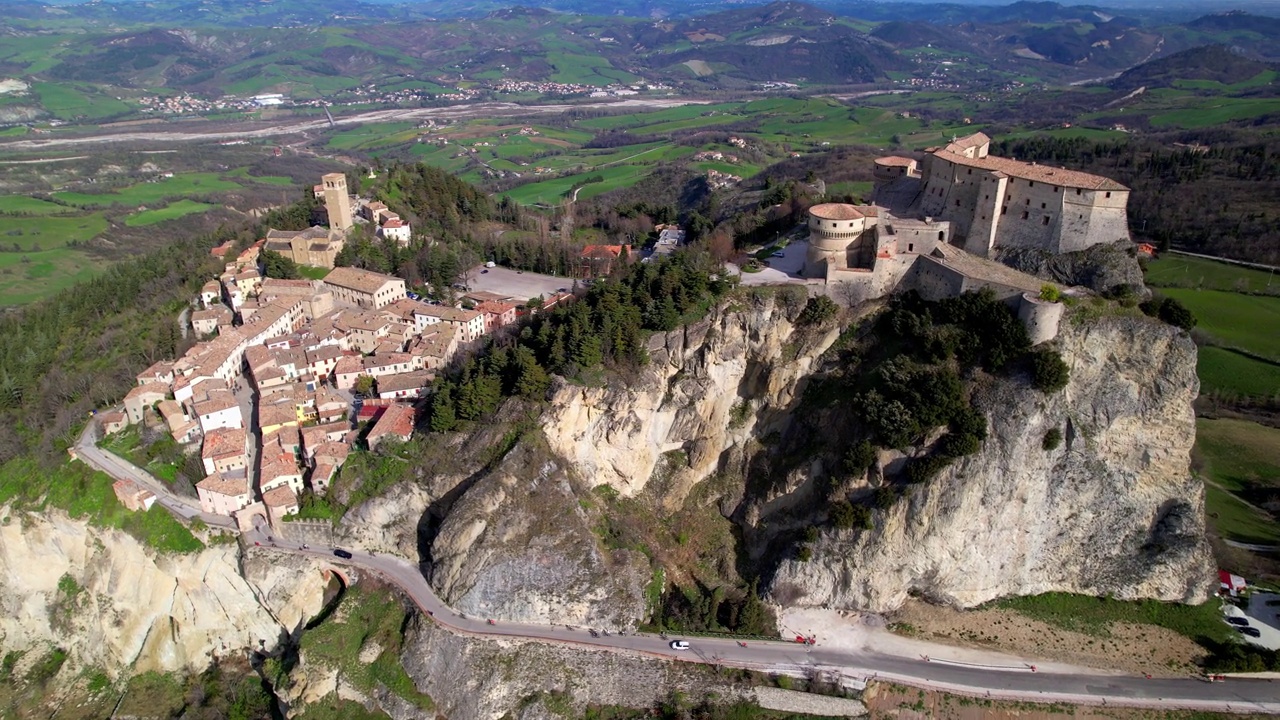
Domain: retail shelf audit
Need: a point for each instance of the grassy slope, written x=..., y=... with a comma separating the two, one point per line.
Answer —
x=1239, y=457
x=1243, y=321
x=169, y=212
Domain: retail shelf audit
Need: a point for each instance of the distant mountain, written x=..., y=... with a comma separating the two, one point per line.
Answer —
x=1212, y=62
x=1238, y=21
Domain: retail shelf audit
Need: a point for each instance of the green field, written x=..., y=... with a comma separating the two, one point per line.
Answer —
x=1207, y=112
x=30, y=276
x=34, y=234
x=152, y=193
x=1239, y=457
x=371, y=136
x=22, y=205
x=1191, y=272
x=170, y=212
x=67, y=102
x=1094, y=615
x=1248, y=322
x=1229, y=373
x=551, y=192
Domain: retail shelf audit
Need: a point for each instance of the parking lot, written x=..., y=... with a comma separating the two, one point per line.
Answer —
x=514, y=283
x=1263, y=613
x=785, y=269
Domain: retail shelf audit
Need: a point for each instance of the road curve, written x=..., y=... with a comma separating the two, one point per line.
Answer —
x=1008, y=683
x=1022, y=684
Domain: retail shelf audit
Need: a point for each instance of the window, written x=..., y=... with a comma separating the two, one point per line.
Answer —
x=970, y=171
x=1041, y=206
x=1027, y=201
x=1031, y=183
x=1108, y=194
x=1046, y=219
x=1004, y=210
x=1055, y=188
x=1025, y=215
x=957, y=203
x=986, y=197
x=911, y=247
x=1077, y=191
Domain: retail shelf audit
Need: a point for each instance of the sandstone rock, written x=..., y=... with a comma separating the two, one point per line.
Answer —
x=138, y=609
x=1114, y=510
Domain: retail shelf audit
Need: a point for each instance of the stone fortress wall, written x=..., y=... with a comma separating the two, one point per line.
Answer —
x=949, y=219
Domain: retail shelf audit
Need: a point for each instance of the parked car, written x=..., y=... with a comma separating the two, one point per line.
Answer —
x=490, y=264
x=779, y=254
x=1250, y=631
x=679, y=644
x=342, y=553
x=1238, y=621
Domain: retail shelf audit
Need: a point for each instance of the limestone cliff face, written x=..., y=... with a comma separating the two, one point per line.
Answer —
x=134, y=608
x=1113, y=510
x=518, y=546
x=685, y=398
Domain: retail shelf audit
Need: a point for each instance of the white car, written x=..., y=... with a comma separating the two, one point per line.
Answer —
x=679, y=644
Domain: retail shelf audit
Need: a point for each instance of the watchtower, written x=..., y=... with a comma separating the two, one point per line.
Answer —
x=336, y=201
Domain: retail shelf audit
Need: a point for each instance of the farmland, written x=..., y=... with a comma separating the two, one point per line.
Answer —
x=169, y=212
x=1241, y=466
x=149, y=193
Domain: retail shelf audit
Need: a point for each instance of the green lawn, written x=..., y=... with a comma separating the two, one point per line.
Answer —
x=1094, y=615
x=550, y=192
x=153, y=193
x=20, y=204
x=1245, y=321
x=170, y=212
x=1239, y=457
x=375, y=135
x=1231, y=373
x=1191, y=272
x=313, y=273
x=1207, y=112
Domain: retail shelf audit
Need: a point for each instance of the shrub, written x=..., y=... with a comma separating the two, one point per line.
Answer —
x=1050, y=293
x=885, y=496
x=859, y=458
x=1170, y=311
x=804, y=554
x=925, y=468
x=1049, y=373
x=817, y=311
x=956, y=445
x=845, y=515
x=1052, y=439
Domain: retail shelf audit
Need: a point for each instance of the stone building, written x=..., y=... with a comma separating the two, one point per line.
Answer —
x=337, y=202
x=994, y=202
x=315, y=246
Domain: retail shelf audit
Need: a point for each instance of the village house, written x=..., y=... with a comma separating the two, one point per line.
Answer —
x=161, y=372
x=363, y=288
x=396, y=422
x=224, y=495
x=347, y=371
x=599, y=260
x=434, y=348
x=142, y=397
x=182, y=427
x=392, y=364
x=217, y=409
x=279, y=470
x=408, y=385
x=280, y=501
x=273, y=416
x=329, y=406
x=467, y=324
x=315, y=246
x=112, y=421
x=133, y=496
x=497, y=314
x=370, y=210
x=397, y=230
x=224, y=450
x=207, y=322
x=322, y=360
x=211, y=294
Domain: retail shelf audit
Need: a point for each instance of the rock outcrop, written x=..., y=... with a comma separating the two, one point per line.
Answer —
x=1100, y=268
x=701, y=393
x=112, y=603
x=1113, y=510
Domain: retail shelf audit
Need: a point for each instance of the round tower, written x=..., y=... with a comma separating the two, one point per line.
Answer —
x=833, y=227
x=1039, y=317
x=892, y=167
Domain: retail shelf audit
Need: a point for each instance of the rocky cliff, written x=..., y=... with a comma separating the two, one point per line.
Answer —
x=113, y=604
x=1113, y=510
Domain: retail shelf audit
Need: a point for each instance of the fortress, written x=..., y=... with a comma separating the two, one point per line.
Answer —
x=939, y=230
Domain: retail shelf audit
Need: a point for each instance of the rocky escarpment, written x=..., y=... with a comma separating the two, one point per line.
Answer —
x=1113, y=510
x=113, y=604
x=1100, y=268
x=708, y=388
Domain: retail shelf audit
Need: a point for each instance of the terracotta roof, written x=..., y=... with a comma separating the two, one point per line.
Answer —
x=151, y=388
x=231, y=487
x=359, y=280
x=405, y=381
x=277, y=414
x=393, y=223
x=895, y=161
x=223, y=441
x=977, y=139
x=603, y=250
x=112, y=416
x=397, y=420
x=332, y=451
x=836, y=211
x=449, y=314
x=280, y=497
x=348, y=365
x=1032, y=172
x=216, y=401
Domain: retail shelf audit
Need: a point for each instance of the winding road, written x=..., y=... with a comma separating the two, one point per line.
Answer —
x=1019, y=683
x=1010, y=682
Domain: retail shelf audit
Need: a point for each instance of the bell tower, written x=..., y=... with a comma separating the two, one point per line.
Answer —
x=336, y=201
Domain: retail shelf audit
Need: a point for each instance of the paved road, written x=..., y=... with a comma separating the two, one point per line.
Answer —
x=786, y=269
x=119, y=468
x=1259, y=696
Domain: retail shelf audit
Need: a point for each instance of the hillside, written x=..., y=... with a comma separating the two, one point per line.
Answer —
x=1211, y=63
